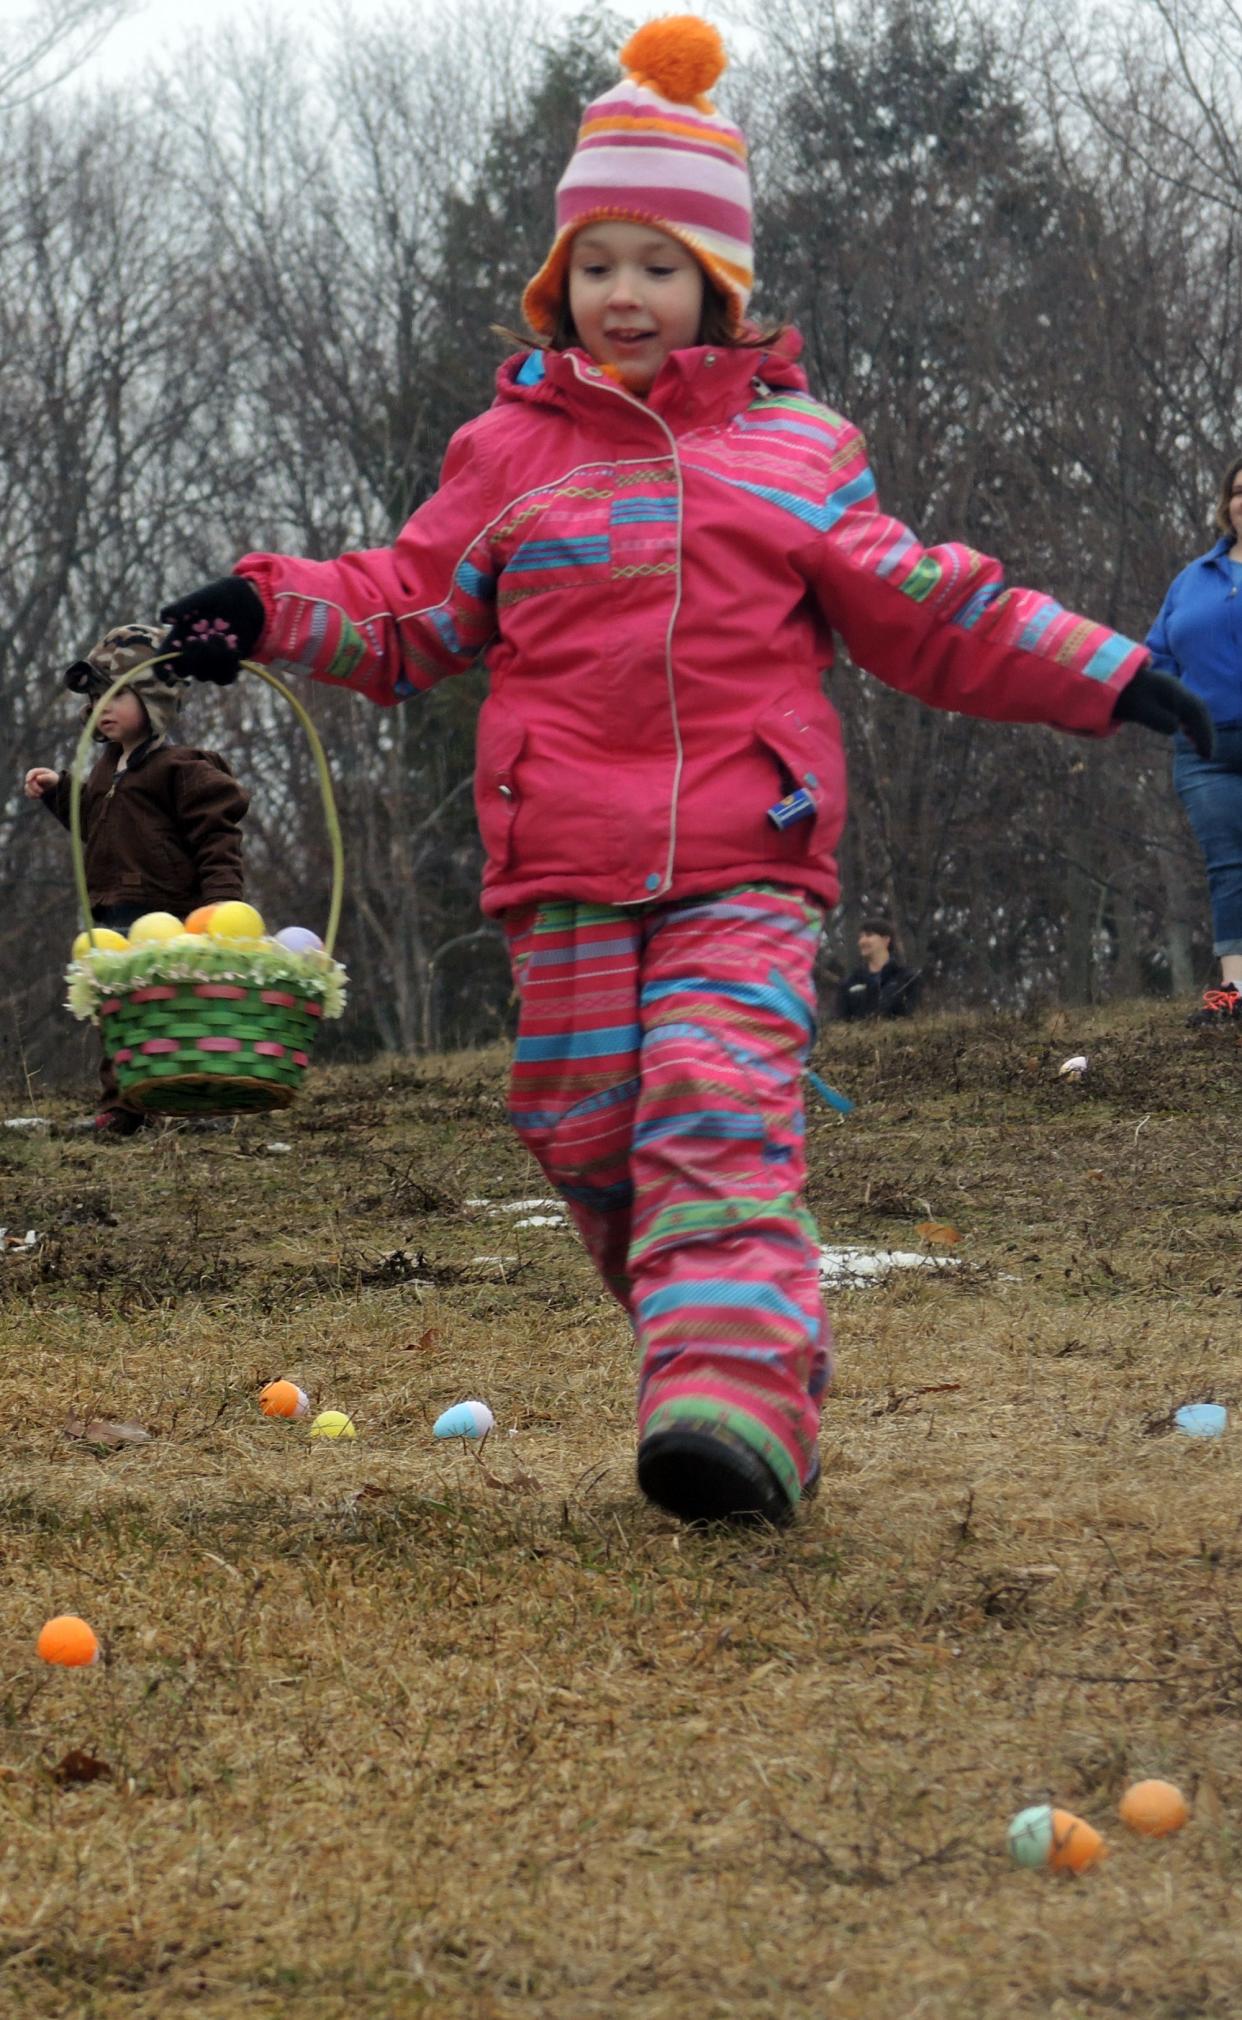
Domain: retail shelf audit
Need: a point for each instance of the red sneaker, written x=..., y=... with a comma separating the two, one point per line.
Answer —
x=117, y=1122
x=1219, y=1006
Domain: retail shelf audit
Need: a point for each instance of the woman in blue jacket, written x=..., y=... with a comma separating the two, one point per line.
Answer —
x=1198, y=636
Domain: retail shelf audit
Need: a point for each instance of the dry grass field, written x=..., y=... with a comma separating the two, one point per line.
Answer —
x=397, y=1728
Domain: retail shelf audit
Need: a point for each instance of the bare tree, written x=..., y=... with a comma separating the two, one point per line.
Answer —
x=102, y=369
x=1039, y=337
x=1162, y=84
x=53, y=41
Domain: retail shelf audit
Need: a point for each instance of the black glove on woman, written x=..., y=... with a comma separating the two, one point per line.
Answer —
x=1162, y=703
x=213, y=629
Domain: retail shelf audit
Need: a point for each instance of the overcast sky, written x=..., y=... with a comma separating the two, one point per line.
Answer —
x=157, y=29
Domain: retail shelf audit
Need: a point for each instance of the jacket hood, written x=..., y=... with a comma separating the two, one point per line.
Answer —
x=695, y=385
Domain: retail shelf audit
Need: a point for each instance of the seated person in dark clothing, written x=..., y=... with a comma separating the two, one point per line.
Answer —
x=879, y=986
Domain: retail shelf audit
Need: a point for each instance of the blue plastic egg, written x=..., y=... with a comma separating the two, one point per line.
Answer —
x=298, y=940
x=464, y=1420
x=1201, y=1420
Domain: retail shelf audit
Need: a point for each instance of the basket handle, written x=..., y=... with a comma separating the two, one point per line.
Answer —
x=83, y=751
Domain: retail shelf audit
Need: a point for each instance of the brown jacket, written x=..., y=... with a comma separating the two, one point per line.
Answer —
x=165, y=834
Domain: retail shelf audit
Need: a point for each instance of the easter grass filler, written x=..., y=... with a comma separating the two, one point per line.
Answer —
x=97, y=976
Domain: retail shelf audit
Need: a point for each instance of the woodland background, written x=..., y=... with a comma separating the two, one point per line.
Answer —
x=246, y=304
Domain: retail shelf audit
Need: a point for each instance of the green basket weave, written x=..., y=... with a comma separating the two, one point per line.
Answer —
x=208, y=1046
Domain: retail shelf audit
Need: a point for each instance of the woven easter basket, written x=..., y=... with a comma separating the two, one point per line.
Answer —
x=201, y=1029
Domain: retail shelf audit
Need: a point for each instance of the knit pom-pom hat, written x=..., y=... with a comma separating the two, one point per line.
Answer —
x=654, y=150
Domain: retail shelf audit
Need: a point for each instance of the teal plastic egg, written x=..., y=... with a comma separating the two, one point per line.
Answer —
x=1030, y=1836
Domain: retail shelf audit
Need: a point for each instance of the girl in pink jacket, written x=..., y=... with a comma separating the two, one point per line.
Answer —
x=652, y=536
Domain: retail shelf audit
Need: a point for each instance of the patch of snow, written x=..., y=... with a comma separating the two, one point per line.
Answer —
x=516, y=1205
x=845, y=1266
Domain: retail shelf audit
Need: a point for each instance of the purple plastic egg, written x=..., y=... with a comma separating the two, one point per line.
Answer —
x=298, y=940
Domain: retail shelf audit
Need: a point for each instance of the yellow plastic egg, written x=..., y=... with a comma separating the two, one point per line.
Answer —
x=234, y=920
x=332, y=1424
x=154, y=927
x=100, y=940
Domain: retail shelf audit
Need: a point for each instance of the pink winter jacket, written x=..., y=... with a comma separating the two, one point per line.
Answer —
x=654, y=585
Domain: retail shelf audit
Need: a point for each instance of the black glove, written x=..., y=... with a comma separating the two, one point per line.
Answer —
x=213, y=629
x=1159, y=702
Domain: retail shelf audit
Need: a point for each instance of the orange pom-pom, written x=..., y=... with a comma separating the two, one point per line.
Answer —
x=680, y=56
x=68, y=1641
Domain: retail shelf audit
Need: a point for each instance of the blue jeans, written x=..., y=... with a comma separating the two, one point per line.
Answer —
x=1211, y=792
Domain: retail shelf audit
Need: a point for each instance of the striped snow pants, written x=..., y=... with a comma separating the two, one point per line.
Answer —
x=657, y=1079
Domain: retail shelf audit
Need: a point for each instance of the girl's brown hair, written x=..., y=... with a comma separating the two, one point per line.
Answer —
x=1223, y=520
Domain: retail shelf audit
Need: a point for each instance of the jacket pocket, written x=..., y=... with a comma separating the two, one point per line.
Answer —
x=498, y=749
x=802, y=736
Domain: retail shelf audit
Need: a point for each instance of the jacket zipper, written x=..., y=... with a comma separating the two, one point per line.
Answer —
x=151, y=743
x=603, y=384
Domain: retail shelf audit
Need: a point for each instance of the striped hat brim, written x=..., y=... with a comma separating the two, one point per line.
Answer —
x=547, y=293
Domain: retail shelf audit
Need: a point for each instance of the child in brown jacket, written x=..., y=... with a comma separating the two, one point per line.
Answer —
x=161, y=823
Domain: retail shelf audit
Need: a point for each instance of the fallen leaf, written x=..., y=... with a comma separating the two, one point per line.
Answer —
x=78, y=1766
x=424, y=1344
x=99, y=1431
x=518, y=1482
x=364, y=1493
x=939, y=1231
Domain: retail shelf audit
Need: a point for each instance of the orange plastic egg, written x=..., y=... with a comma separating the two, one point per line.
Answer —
x=199, y=919
x=68, y=1641
x=1155, y=1808
x=1076, y=1845
x=283, y=1399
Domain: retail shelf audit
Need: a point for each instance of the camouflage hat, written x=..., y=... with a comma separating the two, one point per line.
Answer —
x=118, y=651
